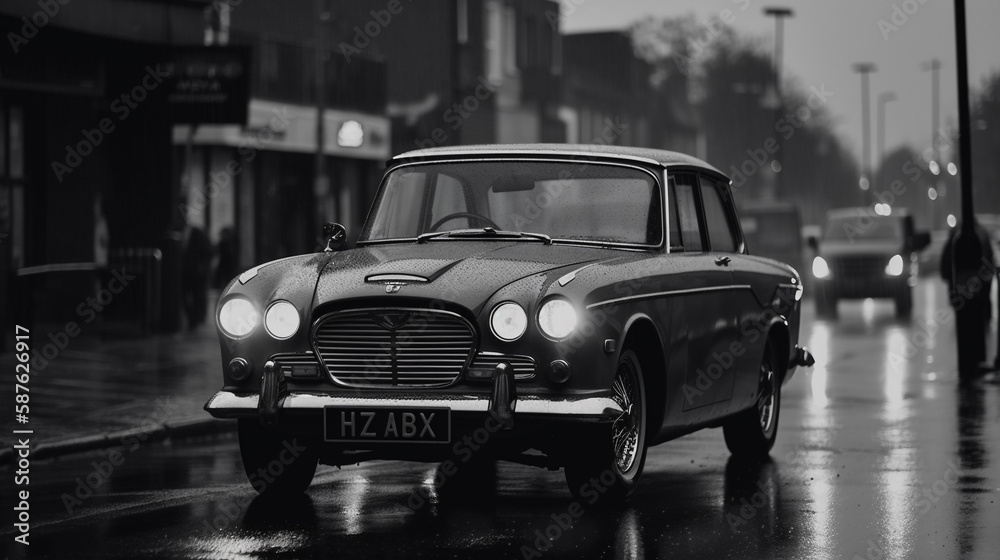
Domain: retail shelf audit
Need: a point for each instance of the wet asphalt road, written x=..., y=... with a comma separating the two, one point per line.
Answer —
x=880, y=454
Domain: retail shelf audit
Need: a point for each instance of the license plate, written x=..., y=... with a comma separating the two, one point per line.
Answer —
x=374, y=424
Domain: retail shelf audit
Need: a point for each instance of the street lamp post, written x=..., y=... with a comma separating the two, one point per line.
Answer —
x=883, y=98
x=779, y=14
x=967, y=249
x=865, y=68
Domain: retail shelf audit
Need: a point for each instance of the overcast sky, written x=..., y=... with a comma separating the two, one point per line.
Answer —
x=825, y=37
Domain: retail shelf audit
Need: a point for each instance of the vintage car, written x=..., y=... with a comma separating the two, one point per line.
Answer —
x=554, y=305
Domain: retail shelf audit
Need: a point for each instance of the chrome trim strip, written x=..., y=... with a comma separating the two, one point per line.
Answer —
x=569, y=277
x=226, y=402
x=395, y=278
x=249, y=274
x=670, y=293
x=486, y=154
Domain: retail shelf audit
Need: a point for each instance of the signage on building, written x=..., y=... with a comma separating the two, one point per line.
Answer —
x=284, y=127
x=208, y=84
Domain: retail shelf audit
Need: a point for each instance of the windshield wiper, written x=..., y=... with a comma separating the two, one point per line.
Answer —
x=485, y=232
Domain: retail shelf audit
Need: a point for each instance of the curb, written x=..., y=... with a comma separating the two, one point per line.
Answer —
x=157, y=432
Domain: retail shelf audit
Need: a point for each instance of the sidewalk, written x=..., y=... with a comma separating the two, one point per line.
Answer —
x=99, y=391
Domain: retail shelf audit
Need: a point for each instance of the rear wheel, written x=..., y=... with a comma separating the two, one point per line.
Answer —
x=752, y=432
x=608, y=468
x=276, y=464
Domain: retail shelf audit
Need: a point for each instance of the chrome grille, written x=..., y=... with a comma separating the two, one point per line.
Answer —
x=387, y=347
x=523, y=366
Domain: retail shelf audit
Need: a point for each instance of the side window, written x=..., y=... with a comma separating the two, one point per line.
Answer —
x=721, y=234
x=676, y=242
x=449, y=198
x=686, y=212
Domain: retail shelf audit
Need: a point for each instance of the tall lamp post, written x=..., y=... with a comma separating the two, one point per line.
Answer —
x=865, y=68
x=883, y=98
x=967, y=249
x=779, y=14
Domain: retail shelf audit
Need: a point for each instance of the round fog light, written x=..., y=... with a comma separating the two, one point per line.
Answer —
x=559, y=371
x=239, y=369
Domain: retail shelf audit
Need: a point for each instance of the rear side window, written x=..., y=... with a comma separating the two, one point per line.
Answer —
x=721, y=234
x=686, y=212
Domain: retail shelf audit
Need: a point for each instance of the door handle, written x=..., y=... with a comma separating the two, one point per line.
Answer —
x=723, y=261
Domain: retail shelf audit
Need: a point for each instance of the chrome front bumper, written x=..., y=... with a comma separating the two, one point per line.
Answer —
x=226, y=404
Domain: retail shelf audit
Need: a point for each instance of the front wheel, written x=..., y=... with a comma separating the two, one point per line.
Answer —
x=751, y=433
x=276, y=464
x=608, y=467
x=904, y=303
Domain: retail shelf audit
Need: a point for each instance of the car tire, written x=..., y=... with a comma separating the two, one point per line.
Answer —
x=751, y=433
x=276, y=464
x=609, y=471
x=904, y=304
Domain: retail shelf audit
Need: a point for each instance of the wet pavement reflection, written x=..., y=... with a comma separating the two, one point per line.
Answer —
x=880, y=454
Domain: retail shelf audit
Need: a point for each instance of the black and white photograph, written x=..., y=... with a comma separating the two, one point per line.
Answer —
x=500, y=279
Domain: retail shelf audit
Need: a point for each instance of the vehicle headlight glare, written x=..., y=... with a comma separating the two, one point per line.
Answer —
x=895, y=266
x=238, y=317
x=508, y=321
x=820, y=268
x=281, y=320
x=557, y=318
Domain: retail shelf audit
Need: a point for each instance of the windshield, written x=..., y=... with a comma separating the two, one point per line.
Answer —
x=854, y=228
x=566, y=201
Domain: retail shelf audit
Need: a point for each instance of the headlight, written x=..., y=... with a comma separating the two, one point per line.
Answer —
x=281, y=320
x=820, y=268
x=238, y=317
x=557, y=318
x=508, y=321
x=895, y=266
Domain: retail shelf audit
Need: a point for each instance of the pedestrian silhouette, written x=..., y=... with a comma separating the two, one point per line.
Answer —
x=196, y=261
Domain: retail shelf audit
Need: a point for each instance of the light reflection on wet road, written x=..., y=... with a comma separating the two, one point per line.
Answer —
x=879, y=454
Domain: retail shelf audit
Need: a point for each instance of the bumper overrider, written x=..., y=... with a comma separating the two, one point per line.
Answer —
x=503, y=403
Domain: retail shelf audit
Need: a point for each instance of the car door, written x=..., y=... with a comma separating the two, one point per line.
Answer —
x=704, y=282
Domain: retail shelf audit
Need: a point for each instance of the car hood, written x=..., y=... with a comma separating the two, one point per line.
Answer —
x=463, y=272
x=835, y=249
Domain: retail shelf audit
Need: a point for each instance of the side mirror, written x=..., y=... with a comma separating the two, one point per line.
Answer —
x=813, y=242
x=921, y=240
x=335, y=234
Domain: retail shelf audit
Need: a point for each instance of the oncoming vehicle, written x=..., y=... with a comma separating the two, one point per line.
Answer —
x=569, y=306
x=865, y=255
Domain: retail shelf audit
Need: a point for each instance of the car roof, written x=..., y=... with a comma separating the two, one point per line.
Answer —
x=664, y=158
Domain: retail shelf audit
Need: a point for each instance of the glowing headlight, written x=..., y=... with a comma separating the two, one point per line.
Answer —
x=238, y=317
x=895, y=266
x=281, y=320
x=557, y=318
x=508, y=321
x=820, y=268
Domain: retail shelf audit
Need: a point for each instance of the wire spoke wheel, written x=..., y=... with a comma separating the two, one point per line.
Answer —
x=625, y=430
x=765, y=403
